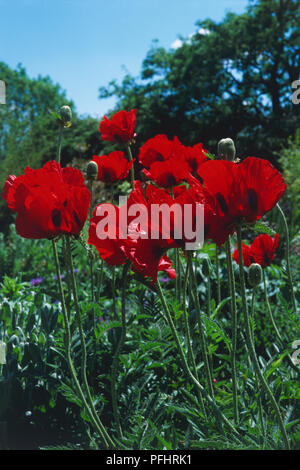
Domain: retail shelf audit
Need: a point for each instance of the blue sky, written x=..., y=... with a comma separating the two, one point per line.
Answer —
x=83, y=44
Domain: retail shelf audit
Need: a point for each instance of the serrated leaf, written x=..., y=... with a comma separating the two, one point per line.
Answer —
x=262, y=227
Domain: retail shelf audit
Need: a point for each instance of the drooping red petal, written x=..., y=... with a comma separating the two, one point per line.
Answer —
x=49, y=201
x=263, y=249
x=120, y=128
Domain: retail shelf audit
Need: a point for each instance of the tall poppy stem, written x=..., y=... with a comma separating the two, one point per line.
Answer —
x=218, y=413
x=60, y=133
x=97, y=424
x=233, y=327
x=287, y=254
x=268, y=306
x=132, y=168
x=83, y=345
x=288, y=357
x=188, y=336
x=218, y=275
x=117, y=353
x=100, y=279
x=113, y=288
x=260, y=410
x=252, y=351
x=200, y=325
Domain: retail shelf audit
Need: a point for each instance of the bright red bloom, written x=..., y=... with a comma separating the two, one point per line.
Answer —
x=194, y=156
x=120, y=128
x=112, y=167
x=130, y=242
x=7, y=185
x=49, y=201
x=168, y=173
x=263, y=249
x=109, y=248
x=159, y=149
x=247, y=259
x=240, y=193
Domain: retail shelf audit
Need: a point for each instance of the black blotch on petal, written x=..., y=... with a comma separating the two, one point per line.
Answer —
x=252, y=199
x=56, y=217
x=171, y=180
x=222, y=203
x=77, y=219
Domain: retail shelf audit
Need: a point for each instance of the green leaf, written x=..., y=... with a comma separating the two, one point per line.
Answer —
x=262, y=227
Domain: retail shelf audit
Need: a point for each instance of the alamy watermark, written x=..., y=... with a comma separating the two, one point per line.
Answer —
x=2, y=92
x=296, y=94
x=152, y=222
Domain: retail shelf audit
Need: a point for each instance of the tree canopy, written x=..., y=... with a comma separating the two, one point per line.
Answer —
x=229, y=79
x=29, y=129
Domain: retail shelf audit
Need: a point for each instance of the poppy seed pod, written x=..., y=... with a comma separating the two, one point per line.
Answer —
x=226, y=149
x=66, y=115
x=255, y=274
x=92, y=171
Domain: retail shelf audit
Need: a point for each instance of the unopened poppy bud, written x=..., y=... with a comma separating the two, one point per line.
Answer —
x=254, y=274
x=206, y=267
x=226, y=149
x=92, y=171
x=66, y=115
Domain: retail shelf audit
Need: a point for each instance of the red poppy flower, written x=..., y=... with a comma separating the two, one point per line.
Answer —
x=179, y=219
x=133, y=241
x=194, y=156
x=147, y=256
x=112, y=167
x=159, y=149
x=168, y=173
x=108, y=247
x=120, y=128
x=247, y=259
x=49, y=201
x=263, y=249
x=240, y=193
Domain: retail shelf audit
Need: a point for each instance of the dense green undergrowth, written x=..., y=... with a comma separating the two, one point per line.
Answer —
x=159, y=409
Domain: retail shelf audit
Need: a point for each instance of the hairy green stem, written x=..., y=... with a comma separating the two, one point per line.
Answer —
x=218, y=275
x=288, y=357
x=83, y=345
x=252, y=351
x=97, y=425
x=189, y=341
x=59, y=141
x=99, y=279
x=260, y=410
x=268, y=306
x=287, y=252
x=113, y=288
x=132, y=168
x=200, y=325
x=115, y=363
x=218, y=413
x=233, y=328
